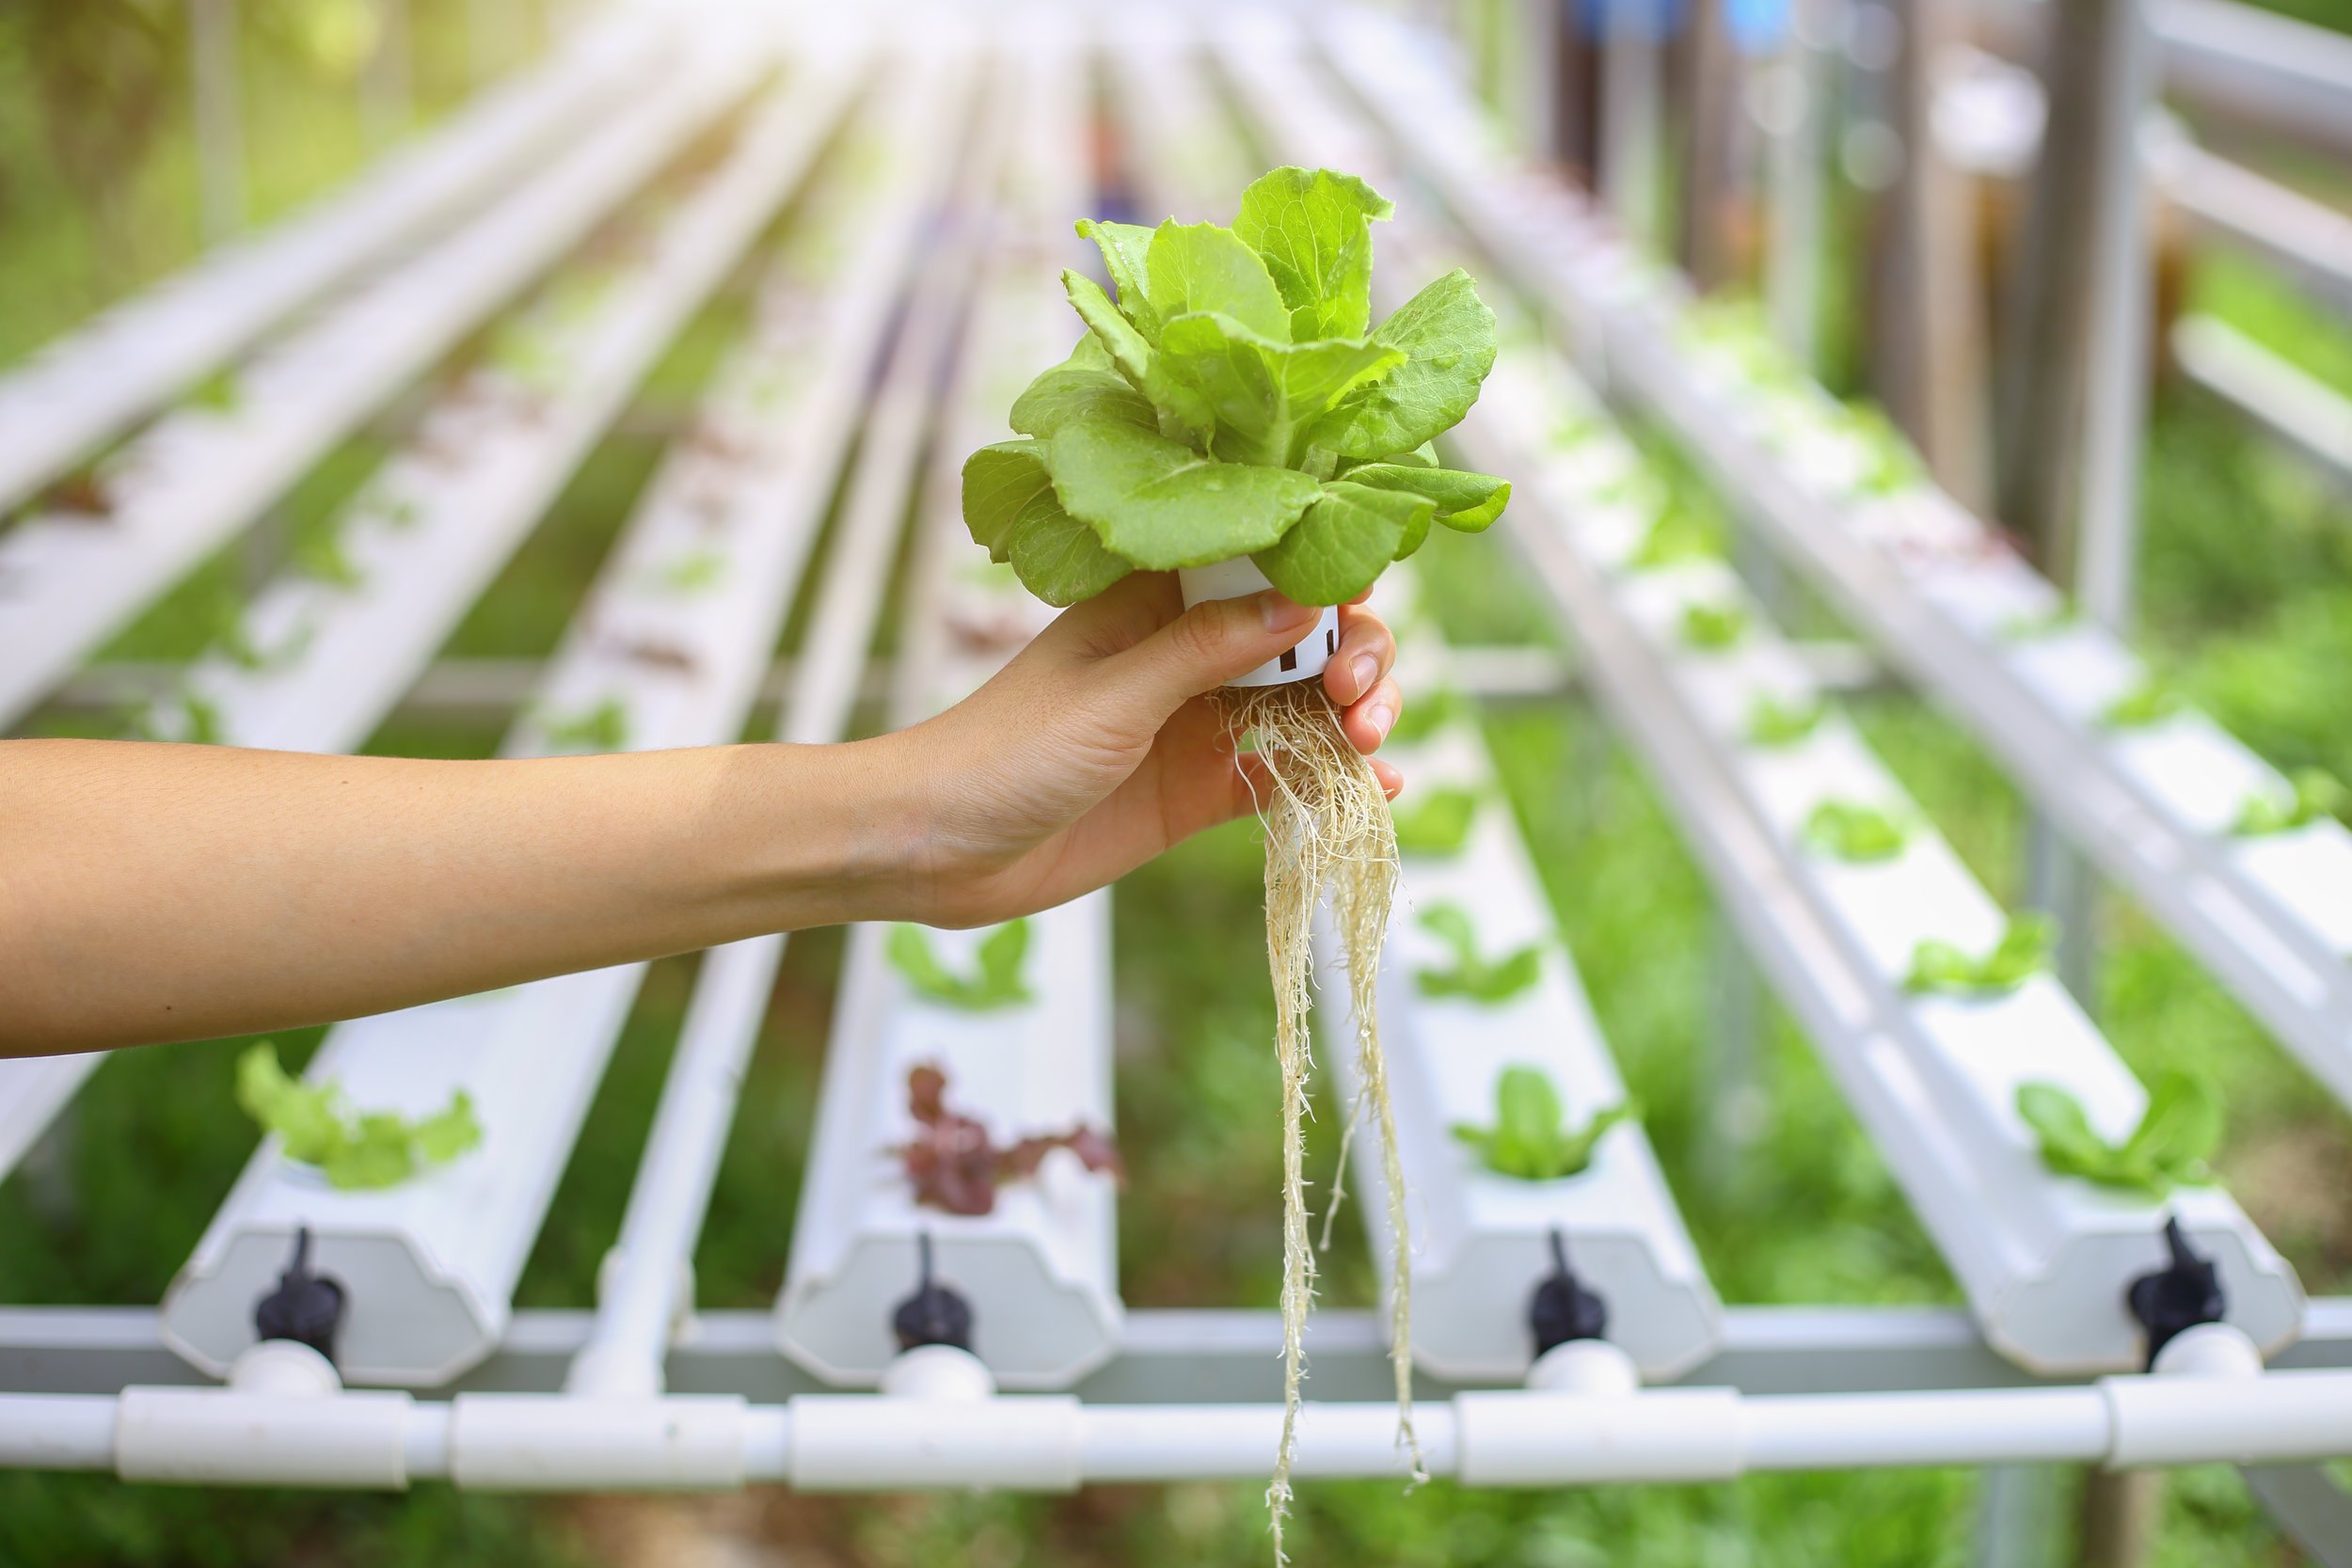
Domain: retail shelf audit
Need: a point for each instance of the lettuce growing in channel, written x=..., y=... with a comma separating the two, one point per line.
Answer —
x=352, y=1149
x=1233, y=400
x=1530, y=1139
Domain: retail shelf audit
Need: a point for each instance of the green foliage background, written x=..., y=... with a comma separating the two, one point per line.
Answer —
x=2247, y=589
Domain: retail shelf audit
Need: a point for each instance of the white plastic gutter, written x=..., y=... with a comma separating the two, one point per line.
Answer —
x=650, y=1284
x=87, y=387
x=189, y=482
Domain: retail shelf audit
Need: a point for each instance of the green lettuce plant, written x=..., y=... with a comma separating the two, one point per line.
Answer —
x=1234, y=397
x=1713, y=628
x=1437, y=824
x=2151, y=702
x=1427, y=714
x=1531, y=1138
x=2023, y=951
x=601, y=728
x=994, y=981
x=1676, y=534
x=1772, y=722
x=2176, y=1135
x=1473, y=975
x=352, y=1149
x=1852, y=830
x=2314, y=794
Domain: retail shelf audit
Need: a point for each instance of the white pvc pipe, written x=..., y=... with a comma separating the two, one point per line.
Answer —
x=2206, y=1411
x=57, y=1432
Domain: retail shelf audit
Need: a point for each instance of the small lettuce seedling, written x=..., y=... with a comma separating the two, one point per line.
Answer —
x=696, y=571
x=1428, y=713
x=602, y=728
x=218, y=393
x=1473, y=976
x=2023, y=951
x=2039, y=624
x=996, y=983
x=1772, y=722
x=1677, y=533
x=1438, y=824
x=1713, y=628
x=2151, y=702
x=366, y=1149
x=1893, y=465
x=955, y=1164
x=1530, y=1139
x=320, y=556
x=1851, y=830
x=2315, y=794
x=2176, y=1135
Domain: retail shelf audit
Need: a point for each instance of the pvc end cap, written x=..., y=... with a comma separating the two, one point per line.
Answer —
x=1588, y=1369
x=938, y=1372
x=286, y=1367
x=2209, y=1350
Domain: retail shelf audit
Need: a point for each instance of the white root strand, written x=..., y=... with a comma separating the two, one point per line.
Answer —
x=1326, y=825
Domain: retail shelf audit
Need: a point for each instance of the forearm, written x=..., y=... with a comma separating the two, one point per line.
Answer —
x=154, y=892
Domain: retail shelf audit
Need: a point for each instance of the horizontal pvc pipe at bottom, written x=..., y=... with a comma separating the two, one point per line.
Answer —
x=1054, y=1443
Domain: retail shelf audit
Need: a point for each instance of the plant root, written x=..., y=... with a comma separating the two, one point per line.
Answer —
x=1327, y=827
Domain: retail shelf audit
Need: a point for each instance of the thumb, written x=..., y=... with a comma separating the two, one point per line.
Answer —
x=1206, y=646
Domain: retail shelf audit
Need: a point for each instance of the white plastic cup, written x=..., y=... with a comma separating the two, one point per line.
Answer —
x=1239, y=577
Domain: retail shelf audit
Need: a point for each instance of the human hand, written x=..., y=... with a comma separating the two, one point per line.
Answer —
x=1096, y=748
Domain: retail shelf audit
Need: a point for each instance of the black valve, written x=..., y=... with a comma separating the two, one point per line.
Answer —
x=306, y=1307
x=2179, y=1296
x=935, y=1314
x=1563, y=1309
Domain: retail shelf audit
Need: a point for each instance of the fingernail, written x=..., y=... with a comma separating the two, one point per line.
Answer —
x=1380, y=716
x=1366, y=669
x=1280, y=614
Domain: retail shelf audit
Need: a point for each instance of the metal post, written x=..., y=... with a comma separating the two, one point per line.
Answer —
x=2115, y=393
x=1793, y=97
x=1736, y=1093
x=2020, y=1517
x=1629, y=94
x=386, y=88
x=219, y=141
x=492, y=38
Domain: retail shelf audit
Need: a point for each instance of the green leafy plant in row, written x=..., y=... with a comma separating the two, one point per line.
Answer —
x=1437, y=824
x=353, y=1150
x=1427, y=714
x=2039, y=624
x=2176, y=1135
x=995, y=980
x=1234, y=397
x=1473, y=976
x=2151, y=702
x=601, y=728
x=2023, y=951
x=1713, y=628
x=1774, y=722
x=1676, y=534
x=2313, y=795
x=1852, y=830
x=1530, y=1139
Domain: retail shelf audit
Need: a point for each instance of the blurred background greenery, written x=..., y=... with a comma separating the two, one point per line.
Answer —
x=2247, y=585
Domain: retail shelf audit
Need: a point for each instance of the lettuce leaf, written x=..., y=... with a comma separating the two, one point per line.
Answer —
x=1313, y=232
x=1160, y=505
